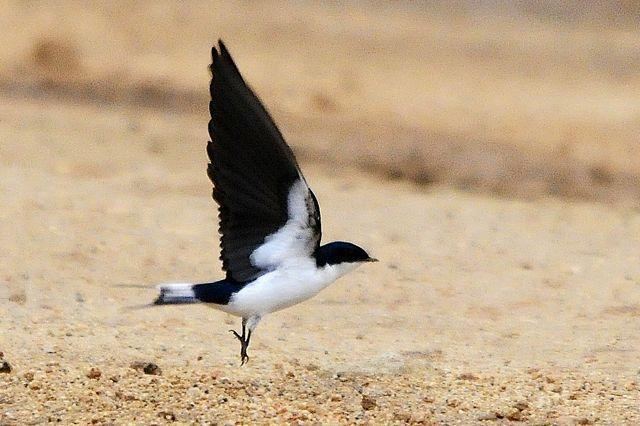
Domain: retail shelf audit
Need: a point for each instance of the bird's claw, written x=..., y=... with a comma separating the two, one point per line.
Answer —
x=244, y=358
x=235, y=333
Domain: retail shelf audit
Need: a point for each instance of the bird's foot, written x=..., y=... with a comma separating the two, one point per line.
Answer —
x=244, y=358
x=244, y=344
x=239, y=337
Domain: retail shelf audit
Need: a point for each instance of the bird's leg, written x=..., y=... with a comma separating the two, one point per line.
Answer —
x=235, y=333
x=244, y=341
x=243, y=351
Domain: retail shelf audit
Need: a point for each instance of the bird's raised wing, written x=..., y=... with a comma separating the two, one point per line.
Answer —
x=267, y=212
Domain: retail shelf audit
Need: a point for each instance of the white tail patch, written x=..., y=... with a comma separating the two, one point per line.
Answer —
x=174, y=293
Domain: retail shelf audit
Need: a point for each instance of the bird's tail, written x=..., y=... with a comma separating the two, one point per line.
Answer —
x=175, y=293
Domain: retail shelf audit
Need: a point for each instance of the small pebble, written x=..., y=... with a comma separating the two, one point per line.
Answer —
x=167, y=415
x=467, y=376
x=94, y=373
x=514, y=416
x=402, y=416
x=368, y=402
x=146, y=367
x=487, y=417
x=521, y=405
x=152, y=368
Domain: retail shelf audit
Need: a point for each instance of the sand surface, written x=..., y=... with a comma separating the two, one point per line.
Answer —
x=512, y=306
x=480, y=310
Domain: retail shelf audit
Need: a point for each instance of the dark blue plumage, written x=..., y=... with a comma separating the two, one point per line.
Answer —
x=219, y=292
x=340, y=252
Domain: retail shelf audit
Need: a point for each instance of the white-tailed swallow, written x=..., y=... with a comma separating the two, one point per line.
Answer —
x=269, y=217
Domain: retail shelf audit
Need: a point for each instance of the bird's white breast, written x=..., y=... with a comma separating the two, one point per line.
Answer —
x=293, y=282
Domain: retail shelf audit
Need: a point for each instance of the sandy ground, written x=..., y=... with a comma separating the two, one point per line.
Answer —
x=481, y=309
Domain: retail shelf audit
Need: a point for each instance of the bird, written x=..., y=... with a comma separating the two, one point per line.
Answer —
x=269, y=219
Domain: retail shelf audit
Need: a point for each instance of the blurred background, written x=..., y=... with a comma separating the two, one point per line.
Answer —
x=515, y=98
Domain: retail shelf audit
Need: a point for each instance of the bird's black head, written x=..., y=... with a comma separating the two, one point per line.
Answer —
x=341, y=252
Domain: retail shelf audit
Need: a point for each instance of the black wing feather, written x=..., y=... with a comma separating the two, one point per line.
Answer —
x=251, y=166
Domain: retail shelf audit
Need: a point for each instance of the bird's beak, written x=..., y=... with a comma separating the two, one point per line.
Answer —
x=372, y=259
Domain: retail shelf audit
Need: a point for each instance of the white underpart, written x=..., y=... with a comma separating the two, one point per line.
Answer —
x=293, y=276
x=293, y=282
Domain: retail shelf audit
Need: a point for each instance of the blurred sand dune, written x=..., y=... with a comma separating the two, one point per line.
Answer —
x=519, y=100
